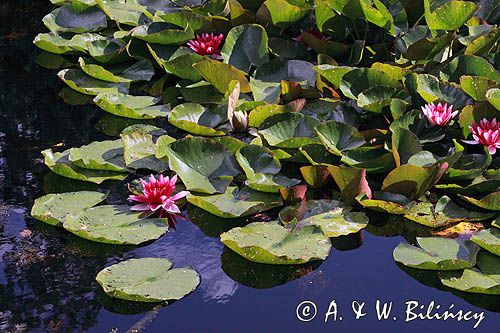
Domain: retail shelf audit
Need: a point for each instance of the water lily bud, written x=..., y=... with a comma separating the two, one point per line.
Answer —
x=239, y=121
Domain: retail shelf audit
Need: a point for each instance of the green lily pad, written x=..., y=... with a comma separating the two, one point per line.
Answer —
x=68, y=19
x=385, y=202
x=163, y=33
x=246, y=45
x=468, y=65
x=317, y=154
x=203, y=165
x=485, y=280
x=108, y=50
x=262, y=169
x=236, y=203
x=431, y=89
x=128, y=12
x=133, y=107
x=140, y=71
x=477, y=86
x=220, y=75
x=358, y=80
x=77, y=80
x=490, y=201
x=283, y=13
x=338, y=137
x=333, y=74
x=147, y=280
x=115, y=225
x=437, y=253
x=375, y=99
x=99, y=155
x=488, y=239
x=493, y=97
x=478, y=185
x=270, y=243
x=262, y=112
x=177, y=60
x=54, y=43
x=334, y=218
x=140, y=146
x=292, y=131
x=449, y=16
x=468, y=166
x=60, y=164
x=372, y=159
x=443, y=213
x=54, y=208
x=197, y=119
x=410, y=180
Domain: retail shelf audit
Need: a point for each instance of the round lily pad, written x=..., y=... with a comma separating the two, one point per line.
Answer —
x=485, y=280
x=236, y=203
x=134, y=107
x=148, y=280
x=488, y=239
x=115, y=225
x=270, y=243
x=197, y=119
x=53, y=208
x=437, y=254
x=99, y=155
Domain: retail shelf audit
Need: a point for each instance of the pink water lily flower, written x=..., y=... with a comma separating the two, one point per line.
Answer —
x=157, y=196
x=207, y=45
x=440, y=114
x=486, y=133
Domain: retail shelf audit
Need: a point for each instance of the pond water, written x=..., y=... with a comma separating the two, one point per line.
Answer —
x=47, y=279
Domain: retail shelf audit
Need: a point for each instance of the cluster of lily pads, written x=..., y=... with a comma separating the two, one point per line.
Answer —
x=327, y=109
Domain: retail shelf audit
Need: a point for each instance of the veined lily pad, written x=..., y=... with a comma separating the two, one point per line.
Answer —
x=437, y=254
x=197, y=119
x=60, y=164
x=485, y=280
x=468, y=166
x=262, y=168
x=203, y=165
x=270, y=243
x=140, y=145
x=163, y=33
x=134, y=107
x=220, y=75
x=338, y=137
x=99, y=155
x=351, y=182
x=67, y=19
x=54, y=43
x=236, y=203
x=77, y=80
x=108, y=50
x=147, y=280
x=317, y=154
x=140, y=71
x=334, y=218
x=443, y=213
x=115, y=225
x=450, y=15
x=246, y=45
x=488, y=239
x=490, y=201
x=292, y=131
x=55, y=207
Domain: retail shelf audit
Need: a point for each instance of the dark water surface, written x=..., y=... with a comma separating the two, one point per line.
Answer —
x=47, y=280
